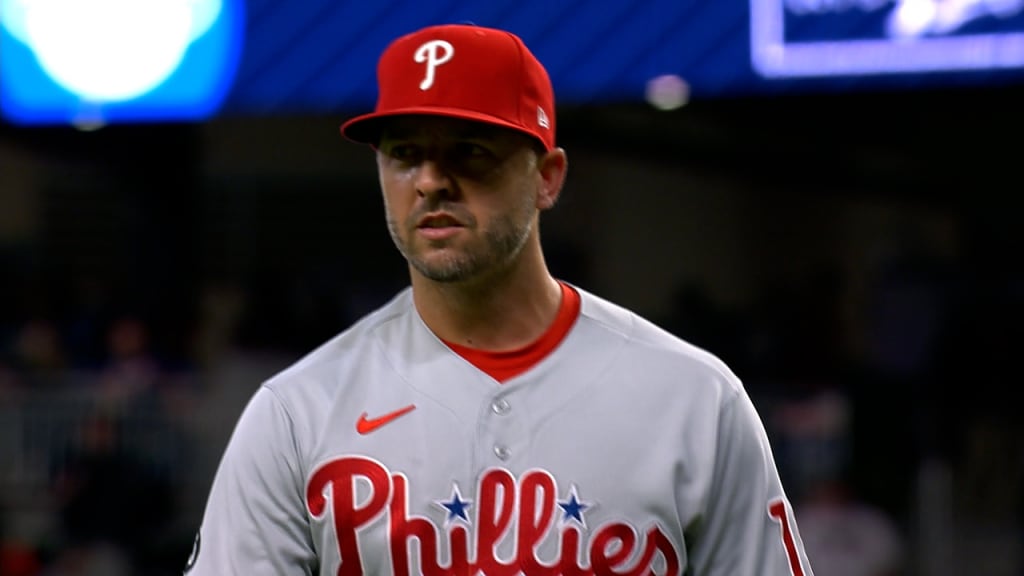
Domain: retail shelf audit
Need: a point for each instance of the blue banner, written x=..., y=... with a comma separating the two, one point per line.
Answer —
x=315, y=56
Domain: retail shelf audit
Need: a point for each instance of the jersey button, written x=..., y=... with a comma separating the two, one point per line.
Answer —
x=500, y=406
x=502, y=451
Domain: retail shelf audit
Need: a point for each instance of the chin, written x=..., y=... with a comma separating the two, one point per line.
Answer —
x=445, y=268
x=443, y=276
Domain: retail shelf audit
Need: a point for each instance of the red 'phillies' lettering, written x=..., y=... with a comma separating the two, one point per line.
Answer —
x=341, y=475
x=538, y=501
x=777, y=510
x=614, y=543
x=404, y=527
x=496, y=501
x=498, y=497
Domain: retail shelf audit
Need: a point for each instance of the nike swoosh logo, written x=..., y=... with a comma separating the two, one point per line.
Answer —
x=365, y=425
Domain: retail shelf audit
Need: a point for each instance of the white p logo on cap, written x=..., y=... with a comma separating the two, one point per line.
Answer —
x=433, y=54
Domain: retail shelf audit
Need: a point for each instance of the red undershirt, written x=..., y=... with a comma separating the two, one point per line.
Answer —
x=510, y=363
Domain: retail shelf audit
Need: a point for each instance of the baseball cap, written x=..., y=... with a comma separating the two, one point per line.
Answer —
x=461, y=71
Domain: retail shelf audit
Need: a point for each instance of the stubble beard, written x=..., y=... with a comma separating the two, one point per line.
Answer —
x=502, y=243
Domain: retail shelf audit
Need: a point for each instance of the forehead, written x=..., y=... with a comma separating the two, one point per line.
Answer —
x=443, y=128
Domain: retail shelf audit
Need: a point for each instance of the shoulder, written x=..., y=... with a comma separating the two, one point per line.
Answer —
x=645, y=344
x=356, y=344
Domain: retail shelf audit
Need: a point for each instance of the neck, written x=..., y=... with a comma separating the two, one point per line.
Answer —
x=501, y=312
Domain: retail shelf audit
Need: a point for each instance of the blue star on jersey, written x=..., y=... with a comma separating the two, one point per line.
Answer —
x=455, y=506
x=573, y=507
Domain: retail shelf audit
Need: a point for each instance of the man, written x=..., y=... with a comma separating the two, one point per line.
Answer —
x=491, y=419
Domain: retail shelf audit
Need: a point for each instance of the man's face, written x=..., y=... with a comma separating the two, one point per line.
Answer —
x=460, y=196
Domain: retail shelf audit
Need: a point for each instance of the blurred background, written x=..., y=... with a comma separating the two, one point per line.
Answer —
x=821, y=192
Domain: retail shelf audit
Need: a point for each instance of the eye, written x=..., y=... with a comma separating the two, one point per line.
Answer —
x=471, y=150
x=402, y=151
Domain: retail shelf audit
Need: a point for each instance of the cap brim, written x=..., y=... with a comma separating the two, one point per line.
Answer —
x=366, y=129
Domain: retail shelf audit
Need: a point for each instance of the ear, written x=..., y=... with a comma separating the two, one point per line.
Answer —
x=552, y=167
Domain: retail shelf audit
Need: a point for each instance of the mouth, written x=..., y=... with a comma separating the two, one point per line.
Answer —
x=438, y=226
x=438, y=220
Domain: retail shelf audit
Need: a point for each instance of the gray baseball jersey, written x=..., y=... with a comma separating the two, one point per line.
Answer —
x=624, y=451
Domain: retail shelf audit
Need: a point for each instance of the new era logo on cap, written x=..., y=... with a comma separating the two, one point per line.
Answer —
x=461, y=71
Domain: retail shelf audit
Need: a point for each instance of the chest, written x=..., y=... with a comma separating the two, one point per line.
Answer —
x=577, y=479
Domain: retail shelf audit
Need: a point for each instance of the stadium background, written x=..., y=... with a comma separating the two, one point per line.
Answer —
x=849, y=244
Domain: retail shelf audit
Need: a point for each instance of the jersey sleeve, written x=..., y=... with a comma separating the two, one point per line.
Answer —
x=749, y=527
x=255, y=521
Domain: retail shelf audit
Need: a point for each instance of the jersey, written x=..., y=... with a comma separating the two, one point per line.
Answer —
x=626, y=450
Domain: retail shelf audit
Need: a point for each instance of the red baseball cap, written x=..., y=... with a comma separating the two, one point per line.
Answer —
x=461, y=71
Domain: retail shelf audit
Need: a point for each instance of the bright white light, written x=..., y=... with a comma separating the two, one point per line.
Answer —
x=668, y=92
x=109, y=50
x=106, y=50
x=912, y=18
x=204, y=14
x=12, y=17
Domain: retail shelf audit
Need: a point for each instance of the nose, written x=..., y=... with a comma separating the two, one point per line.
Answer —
x=432, y=180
